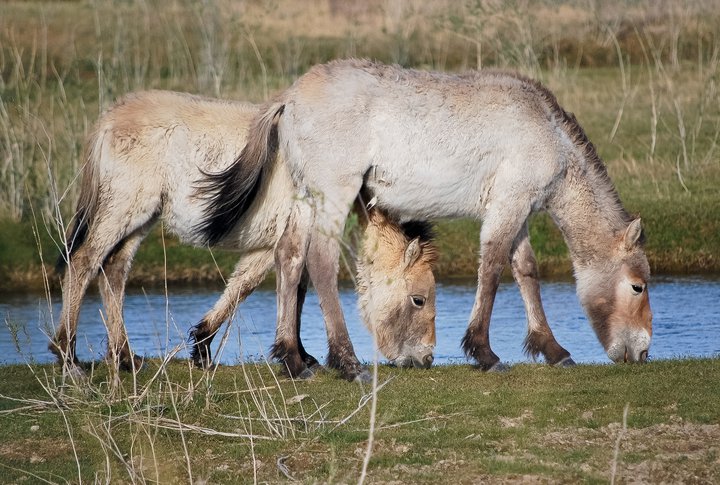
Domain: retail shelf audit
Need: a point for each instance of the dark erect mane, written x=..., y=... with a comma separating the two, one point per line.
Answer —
x=419, y=229
x=598, y=171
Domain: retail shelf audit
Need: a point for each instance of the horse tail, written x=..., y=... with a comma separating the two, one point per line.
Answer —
x=87, y=205
x=228, y=194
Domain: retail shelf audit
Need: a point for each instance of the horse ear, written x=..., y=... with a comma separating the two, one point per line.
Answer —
x=633, y=234
x=412, y=252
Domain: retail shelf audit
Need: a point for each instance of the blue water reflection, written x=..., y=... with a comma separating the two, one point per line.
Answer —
x=686, y=323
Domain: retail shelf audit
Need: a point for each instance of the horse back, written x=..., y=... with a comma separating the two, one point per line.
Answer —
x=463, y=138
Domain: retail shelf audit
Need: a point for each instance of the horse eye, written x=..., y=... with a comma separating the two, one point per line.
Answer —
x=418, y=300
x=637, y=289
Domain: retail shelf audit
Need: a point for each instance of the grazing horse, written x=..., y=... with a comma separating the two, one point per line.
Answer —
x=142, y=159
x=490, y=145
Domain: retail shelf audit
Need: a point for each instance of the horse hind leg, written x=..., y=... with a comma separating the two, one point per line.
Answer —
x=249, y=272
x=290, y=258
x=81, y=269
x=540, y=339
x=112, y=290
x=83, y=265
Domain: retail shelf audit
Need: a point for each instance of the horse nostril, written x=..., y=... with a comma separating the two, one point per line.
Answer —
x=428, y=360
x=643, y=356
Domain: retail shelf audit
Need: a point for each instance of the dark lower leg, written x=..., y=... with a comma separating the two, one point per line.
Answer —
x=323, y=258
x=476, y=342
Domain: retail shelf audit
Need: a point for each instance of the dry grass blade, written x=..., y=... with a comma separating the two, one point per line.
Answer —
x=175, y=425
x=363, y=402
x=405, y=423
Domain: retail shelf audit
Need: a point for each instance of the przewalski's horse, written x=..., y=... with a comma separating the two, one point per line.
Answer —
x=488, y=145
x=142, y=160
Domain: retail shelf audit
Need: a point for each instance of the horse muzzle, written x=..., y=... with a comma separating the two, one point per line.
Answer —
x=420, y=356
x=630, y=346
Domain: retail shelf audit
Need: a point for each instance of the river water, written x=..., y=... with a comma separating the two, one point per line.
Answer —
x=686, y=323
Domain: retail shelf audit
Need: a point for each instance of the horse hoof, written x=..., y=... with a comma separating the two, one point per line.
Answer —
x=566, y=362
x=316, y=367
x=305, y=375
x=137, y=365
x=363, y=377
x=499, y=367
x=75, y=373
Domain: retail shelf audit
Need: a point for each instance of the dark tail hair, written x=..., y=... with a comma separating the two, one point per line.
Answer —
x=230, y=193
x=74, y=239
x=86, y=205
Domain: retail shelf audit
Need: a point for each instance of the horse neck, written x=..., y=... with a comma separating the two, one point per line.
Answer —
x=586, y=209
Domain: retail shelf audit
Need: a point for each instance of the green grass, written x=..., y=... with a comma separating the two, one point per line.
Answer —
x=450, y=421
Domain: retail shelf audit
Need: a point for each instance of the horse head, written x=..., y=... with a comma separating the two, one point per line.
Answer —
x=615, y=296
x=397, y=292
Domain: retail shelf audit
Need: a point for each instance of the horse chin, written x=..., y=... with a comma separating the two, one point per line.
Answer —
x=629, y=345
x=420, y=356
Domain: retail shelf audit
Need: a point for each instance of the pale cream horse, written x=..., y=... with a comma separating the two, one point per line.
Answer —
x=142, y=159
x=488, y=145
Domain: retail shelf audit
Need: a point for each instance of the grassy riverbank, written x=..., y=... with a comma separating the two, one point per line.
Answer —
x=642, y=79
x=644, y=423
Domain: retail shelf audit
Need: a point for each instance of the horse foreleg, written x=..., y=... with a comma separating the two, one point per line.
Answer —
x=290, y=256
x=540, y=339
x=323, y=260
x=112, y=290
x=499, y=229
x=249, y=272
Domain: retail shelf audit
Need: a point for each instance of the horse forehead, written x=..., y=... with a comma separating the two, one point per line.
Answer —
x=419, y=279
x=636, y=267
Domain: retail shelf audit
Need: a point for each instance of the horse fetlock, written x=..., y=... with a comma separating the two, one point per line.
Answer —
x=477, y=347
x=538, y=342
x=311, y=362
x=63, y=350
x=200, y=353
x=294, y=367
x=129, y=362
x=349, y=367
x=485, y=357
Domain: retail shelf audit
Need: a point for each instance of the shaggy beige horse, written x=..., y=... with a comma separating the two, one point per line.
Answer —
x=142, y=160
x=487, y=145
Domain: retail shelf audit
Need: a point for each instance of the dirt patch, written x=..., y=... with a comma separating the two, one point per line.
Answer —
x=664, y=453
x=34, y=450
